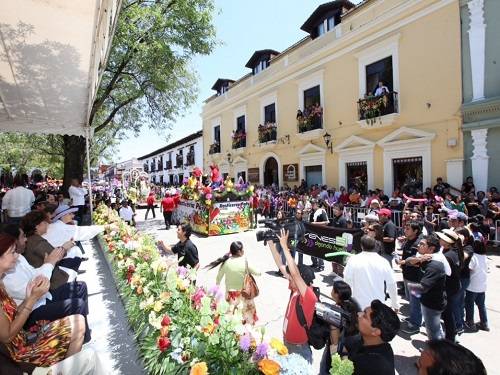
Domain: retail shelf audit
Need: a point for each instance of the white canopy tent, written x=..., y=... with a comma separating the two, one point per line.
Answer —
x=52, y=56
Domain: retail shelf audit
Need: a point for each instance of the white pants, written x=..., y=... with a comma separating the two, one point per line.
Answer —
x=86, y=362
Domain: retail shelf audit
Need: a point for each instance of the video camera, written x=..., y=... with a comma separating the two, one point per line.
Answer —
x=334, y=315
x=274, y=228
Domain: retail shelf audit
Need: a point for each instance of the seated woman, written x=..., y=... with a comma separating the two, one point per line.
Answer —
x=35, y=224
x=68, y=299
x=233, y=266
x=63, y=229
x=49, y=343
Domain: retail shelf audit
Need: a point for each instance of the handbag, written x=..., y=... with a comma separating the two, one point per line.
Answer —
x=250, y=289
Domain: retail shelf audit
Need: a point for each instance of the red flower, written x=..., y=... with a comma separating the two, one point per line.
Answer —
x=163, y=343
x=166, y=321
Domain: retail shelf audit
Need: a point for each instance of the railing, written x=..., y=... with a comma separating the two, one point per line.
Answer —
x=214, y=148
x=373, y=107
x=267, y=133
x=189, y=159
x=310, y=119
x=239, y=140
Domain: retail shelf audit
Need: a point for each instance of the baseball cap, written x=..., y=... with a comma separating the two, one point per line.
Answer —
x=384, y=212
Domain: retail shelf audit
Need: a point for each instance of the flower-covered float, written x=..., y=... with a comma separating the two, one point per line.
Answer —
x=181, y=327
x=213, y=206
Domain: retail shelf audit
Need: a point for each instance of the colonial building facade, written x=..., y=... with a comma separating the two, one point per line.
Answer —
x=170, y=164
x=481, y=90
x=370, y=98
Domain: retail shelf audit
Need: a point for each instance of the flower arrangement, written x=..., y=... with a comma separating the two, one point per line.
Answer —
x=372, y=107
x=193, y=189
x=267, y=132
x=239, y=139
x=310, y=119
x=182, y=328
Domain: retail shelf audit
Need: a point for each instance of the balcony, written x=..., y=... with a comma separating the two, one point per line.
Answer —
x=267, y=133
x=377, y=111
x=152, y=169
x=214, y=148
x=145, y=167
x=178, y=161
x=189, y=159
x=168, y=165
x=159, y=167
x=310, y=123
x=239, y=140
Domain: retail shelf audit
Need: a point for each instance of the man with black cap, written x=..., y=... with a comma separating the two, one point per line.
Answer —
x=300, y=283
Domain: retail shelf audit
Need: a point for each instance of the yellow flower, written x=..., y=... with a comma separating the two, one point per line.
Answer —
x=199, y=368
x=279, y=346
x=269, y=367
x=209, y=328
x=165, y=296
x=158, y=306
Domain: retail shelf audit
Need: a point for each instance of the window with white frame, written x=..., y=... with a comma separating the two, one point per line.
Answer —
x=240, y=124
x=270, y=113
x=379, y=77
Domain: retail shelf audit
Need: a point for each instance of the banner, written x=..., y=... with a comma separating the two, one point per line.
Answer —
x=194, y=213
x=320, y=240
x=229, y=217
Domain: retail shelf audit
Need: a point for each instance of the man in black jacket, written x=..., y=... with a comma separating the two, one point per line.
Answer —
x=431, y=287
x=186, y=250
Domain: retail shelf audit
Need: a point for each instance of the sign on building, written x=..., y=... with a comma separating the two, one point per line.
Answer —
x=290, y=172
x=253, y=175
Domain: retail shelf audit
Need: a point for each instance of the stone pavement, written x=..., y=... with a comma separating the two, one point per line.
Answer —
x=113, y=340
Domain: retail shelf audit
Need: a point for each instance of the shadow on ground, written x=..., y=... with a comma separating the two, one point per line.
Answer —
x=121, y=339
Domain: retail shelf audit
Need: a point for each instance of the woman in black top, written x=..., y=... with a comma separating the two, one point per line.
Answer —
x=451, y=243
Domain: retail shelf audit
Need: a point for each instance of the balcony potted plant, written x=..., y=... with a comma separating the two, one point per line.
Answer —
x=239, y=139
x=310, y=119
x=214, y=148
x=373, y=107
x=267, y=132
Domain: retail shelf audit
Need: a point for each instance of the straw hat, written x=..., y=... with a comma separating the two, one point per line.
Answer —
x=448, y=236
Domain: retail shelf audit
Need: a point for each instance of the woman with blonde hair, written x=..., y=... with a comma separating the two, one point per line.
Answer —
x=233, y=267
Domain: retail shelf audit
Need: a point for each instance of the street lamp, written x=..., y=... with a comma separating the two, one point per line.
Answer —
x=328, y=141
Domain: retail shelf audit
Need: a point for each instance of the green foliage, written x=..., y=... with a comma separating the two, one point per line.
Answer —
x=149, y=79
x=341, y=366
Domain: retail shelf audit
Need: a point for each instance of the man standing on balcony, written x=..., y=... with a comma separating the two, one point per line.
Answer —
x=381, y=89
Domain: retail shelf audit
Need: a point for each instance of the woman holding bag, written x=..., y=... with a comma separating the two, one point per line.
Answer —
x=234, y=267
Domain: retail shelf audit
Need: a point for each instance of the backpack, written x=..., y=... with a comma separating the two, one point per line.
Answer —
x=318, y=334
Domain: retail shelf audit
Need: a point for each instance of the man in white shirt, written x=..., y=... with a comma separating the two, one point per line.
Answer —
x=17, y=201
x=77, y=194
x=366, y=274
x=381, y=89
x=69, y=299
x=126, y=213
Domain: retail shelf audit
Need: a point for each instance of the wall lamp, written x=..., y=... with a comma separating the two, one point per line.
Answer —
x=229, y=158
x=328, y=141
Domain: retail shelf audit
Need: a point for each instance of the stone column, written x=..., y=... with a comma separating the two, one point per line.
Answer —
x=455, y=172
x=480, y=158
x=477, y=36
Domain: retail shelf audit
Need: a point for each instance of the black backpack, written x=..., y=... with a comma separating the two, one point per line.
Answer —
x=318, y=334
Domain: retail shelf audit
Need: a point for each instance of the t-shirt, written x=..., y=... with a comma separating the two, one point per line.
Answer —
x=293, y=332
x=126, y=213
x=151, y=200
x=188, y=252
x=390, y=230
x=168, y=204
x=373, y=359
x=478, y=273
x=319, y=216
x=453, y=281
x=433, y=281
x=409, y=248
x=338, y=222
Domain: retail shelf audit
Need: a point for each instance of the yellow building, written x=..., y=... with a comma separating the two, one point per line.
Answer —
x=387, y=76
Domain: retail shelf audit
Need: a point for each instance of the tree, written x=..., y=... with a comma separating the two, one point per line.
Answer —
x=148, y=78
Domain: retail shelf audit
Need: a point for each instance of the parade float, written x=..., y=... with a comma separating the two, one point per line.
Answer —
x=182, y=327
x=214, y=207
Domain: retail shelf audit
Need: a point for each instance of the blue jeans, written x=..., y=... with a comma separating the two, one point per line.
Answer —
x=304, y=350
x=432, y=323
x=479, y=300
x=460, y=312
x=415, y=309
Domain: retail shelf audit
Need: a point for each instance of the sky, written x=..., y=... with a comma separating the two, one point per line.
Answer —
x=242, y=28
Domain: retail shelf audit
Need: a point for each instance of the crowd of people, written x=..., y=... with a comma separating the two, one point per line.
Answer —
x=438, y=242
x=44, y=307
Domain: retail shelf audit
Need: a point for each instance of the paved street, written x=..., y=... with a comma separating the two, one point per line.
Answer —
x=271, y=303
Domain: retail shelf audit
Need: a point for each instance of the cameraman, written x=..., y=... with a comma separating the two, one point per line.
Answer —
x=300, y=283
x=340, y=338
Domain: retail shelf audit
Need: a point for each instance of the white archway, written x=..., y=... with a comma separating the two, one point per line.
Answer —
x=262, y=165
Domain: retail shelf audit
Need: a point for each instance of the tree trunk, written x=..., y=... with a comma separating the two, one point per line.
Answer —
x=74, y=158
